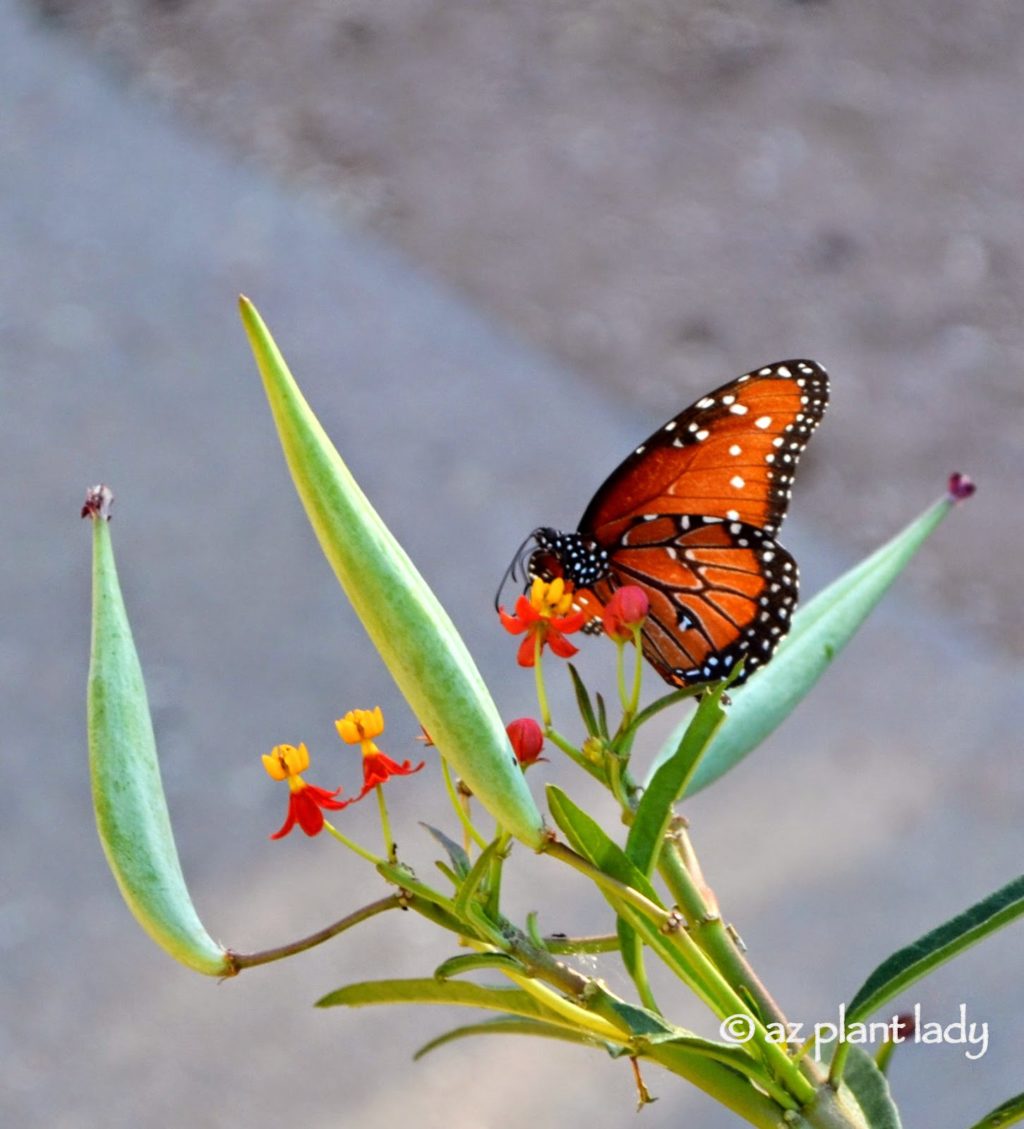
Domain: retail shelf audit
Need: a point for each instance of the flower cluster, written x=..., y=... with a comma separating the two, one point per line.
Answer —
x=307, y=802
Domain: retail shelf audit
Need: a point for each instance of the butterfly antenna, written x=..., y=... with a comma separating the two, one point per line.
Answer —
x=517, y=566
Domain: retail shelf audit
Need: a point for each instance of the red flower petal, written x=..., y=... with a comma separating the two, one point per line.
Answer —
x=567, y=624
x=378, y=767
x=326, y=799
x=307, y=812
x=524, y=617
x=289, y=822
x=304, y=809
x=560, y=645
x=527, y=654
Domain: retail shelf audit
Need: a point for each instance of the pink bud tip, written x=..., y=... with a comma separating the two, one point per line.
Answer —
x=98, y=500
x=960, y=486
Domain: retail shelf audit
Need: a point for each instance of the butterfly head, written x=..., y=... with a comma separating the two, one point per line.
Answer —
x=547, y=554
x=569, y=555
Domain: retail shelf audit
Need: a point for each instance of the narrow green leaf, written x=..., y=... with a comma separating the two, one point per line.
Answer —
x=128, y=796
x=473, y=884
x=462, y=993
x=1009, y=1113
x=654, y=811
x=642, y=1023
x=447, y=871
x=913, y=961
x=602, y=717
x=820, y=631
x=456, y=852
x=474, y=962
x=514, y=1025
x=412, y=632
x=583, y=702
x=588, y=838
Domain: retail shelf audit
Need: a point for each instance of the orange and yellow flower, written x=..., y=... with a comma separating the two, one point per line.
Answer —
x=544, y=615
x=360, y=727
x=305, y=801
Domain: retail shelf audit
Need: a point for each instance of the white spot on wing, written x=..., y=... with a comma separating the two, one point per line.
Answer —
x=735, y=449
x=739, y=409
x=763, y=422
x=737, y=482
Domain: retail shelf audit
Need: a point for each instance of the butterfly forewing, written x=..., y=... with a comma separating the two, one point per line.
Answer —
x=730, y=455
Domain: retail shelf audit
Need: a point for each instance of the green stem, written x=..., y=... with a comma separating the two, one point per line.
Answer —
x=266, y=956
x=711, y=934
x=681, y=872
x=667, y=937
x=351, y=844
x=385, y=823
x=620, y=677
x=538, y=675
x=727, y=1085
x=460, y=811
x=638, y=671
x=574, y=754
x=835, y=1070
x=602, y=943
x=663, y=703
x=401, y=876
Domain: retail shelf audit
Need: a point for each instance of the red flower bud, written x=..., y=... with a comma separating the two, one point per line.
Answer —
x=527, y=740
x=625, y=612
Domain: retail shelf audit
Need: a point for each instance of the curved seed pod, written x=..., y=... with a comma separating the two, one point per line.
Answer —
x=417, y=641
x=128, y=797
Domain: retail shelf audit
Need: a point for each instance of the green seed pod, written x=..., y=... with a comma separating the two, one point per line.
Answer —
x=128, y=797
x=407, y=624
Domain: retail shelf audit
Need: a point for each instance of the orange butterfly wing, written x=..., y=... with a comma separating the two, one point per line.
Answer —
x=730, y=455
x=719, y=592
x=690, y=517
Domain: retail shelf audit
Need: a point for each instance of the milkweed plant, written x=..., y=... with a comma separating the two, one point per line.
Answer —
x=661, y=908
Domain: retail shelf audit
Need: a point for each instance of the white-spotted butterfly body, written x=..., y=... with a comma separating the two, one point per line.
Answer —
x=691, y=517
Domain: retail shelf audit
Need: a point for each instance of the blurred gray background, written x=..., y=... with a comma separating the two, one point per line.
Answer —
x=499, y=244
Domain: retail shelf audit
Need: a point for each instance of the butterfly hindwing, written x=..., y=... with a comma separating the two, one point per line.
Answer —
x=719, y=592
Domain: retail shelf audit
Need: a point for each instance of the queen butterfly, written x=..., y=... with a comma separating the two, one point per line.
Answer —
x=691, y=517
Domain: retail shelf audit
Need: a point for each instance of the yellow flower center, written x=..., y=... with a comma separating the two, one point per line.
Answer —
x=285, y=762
x=550, y=598
x=359, y=727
